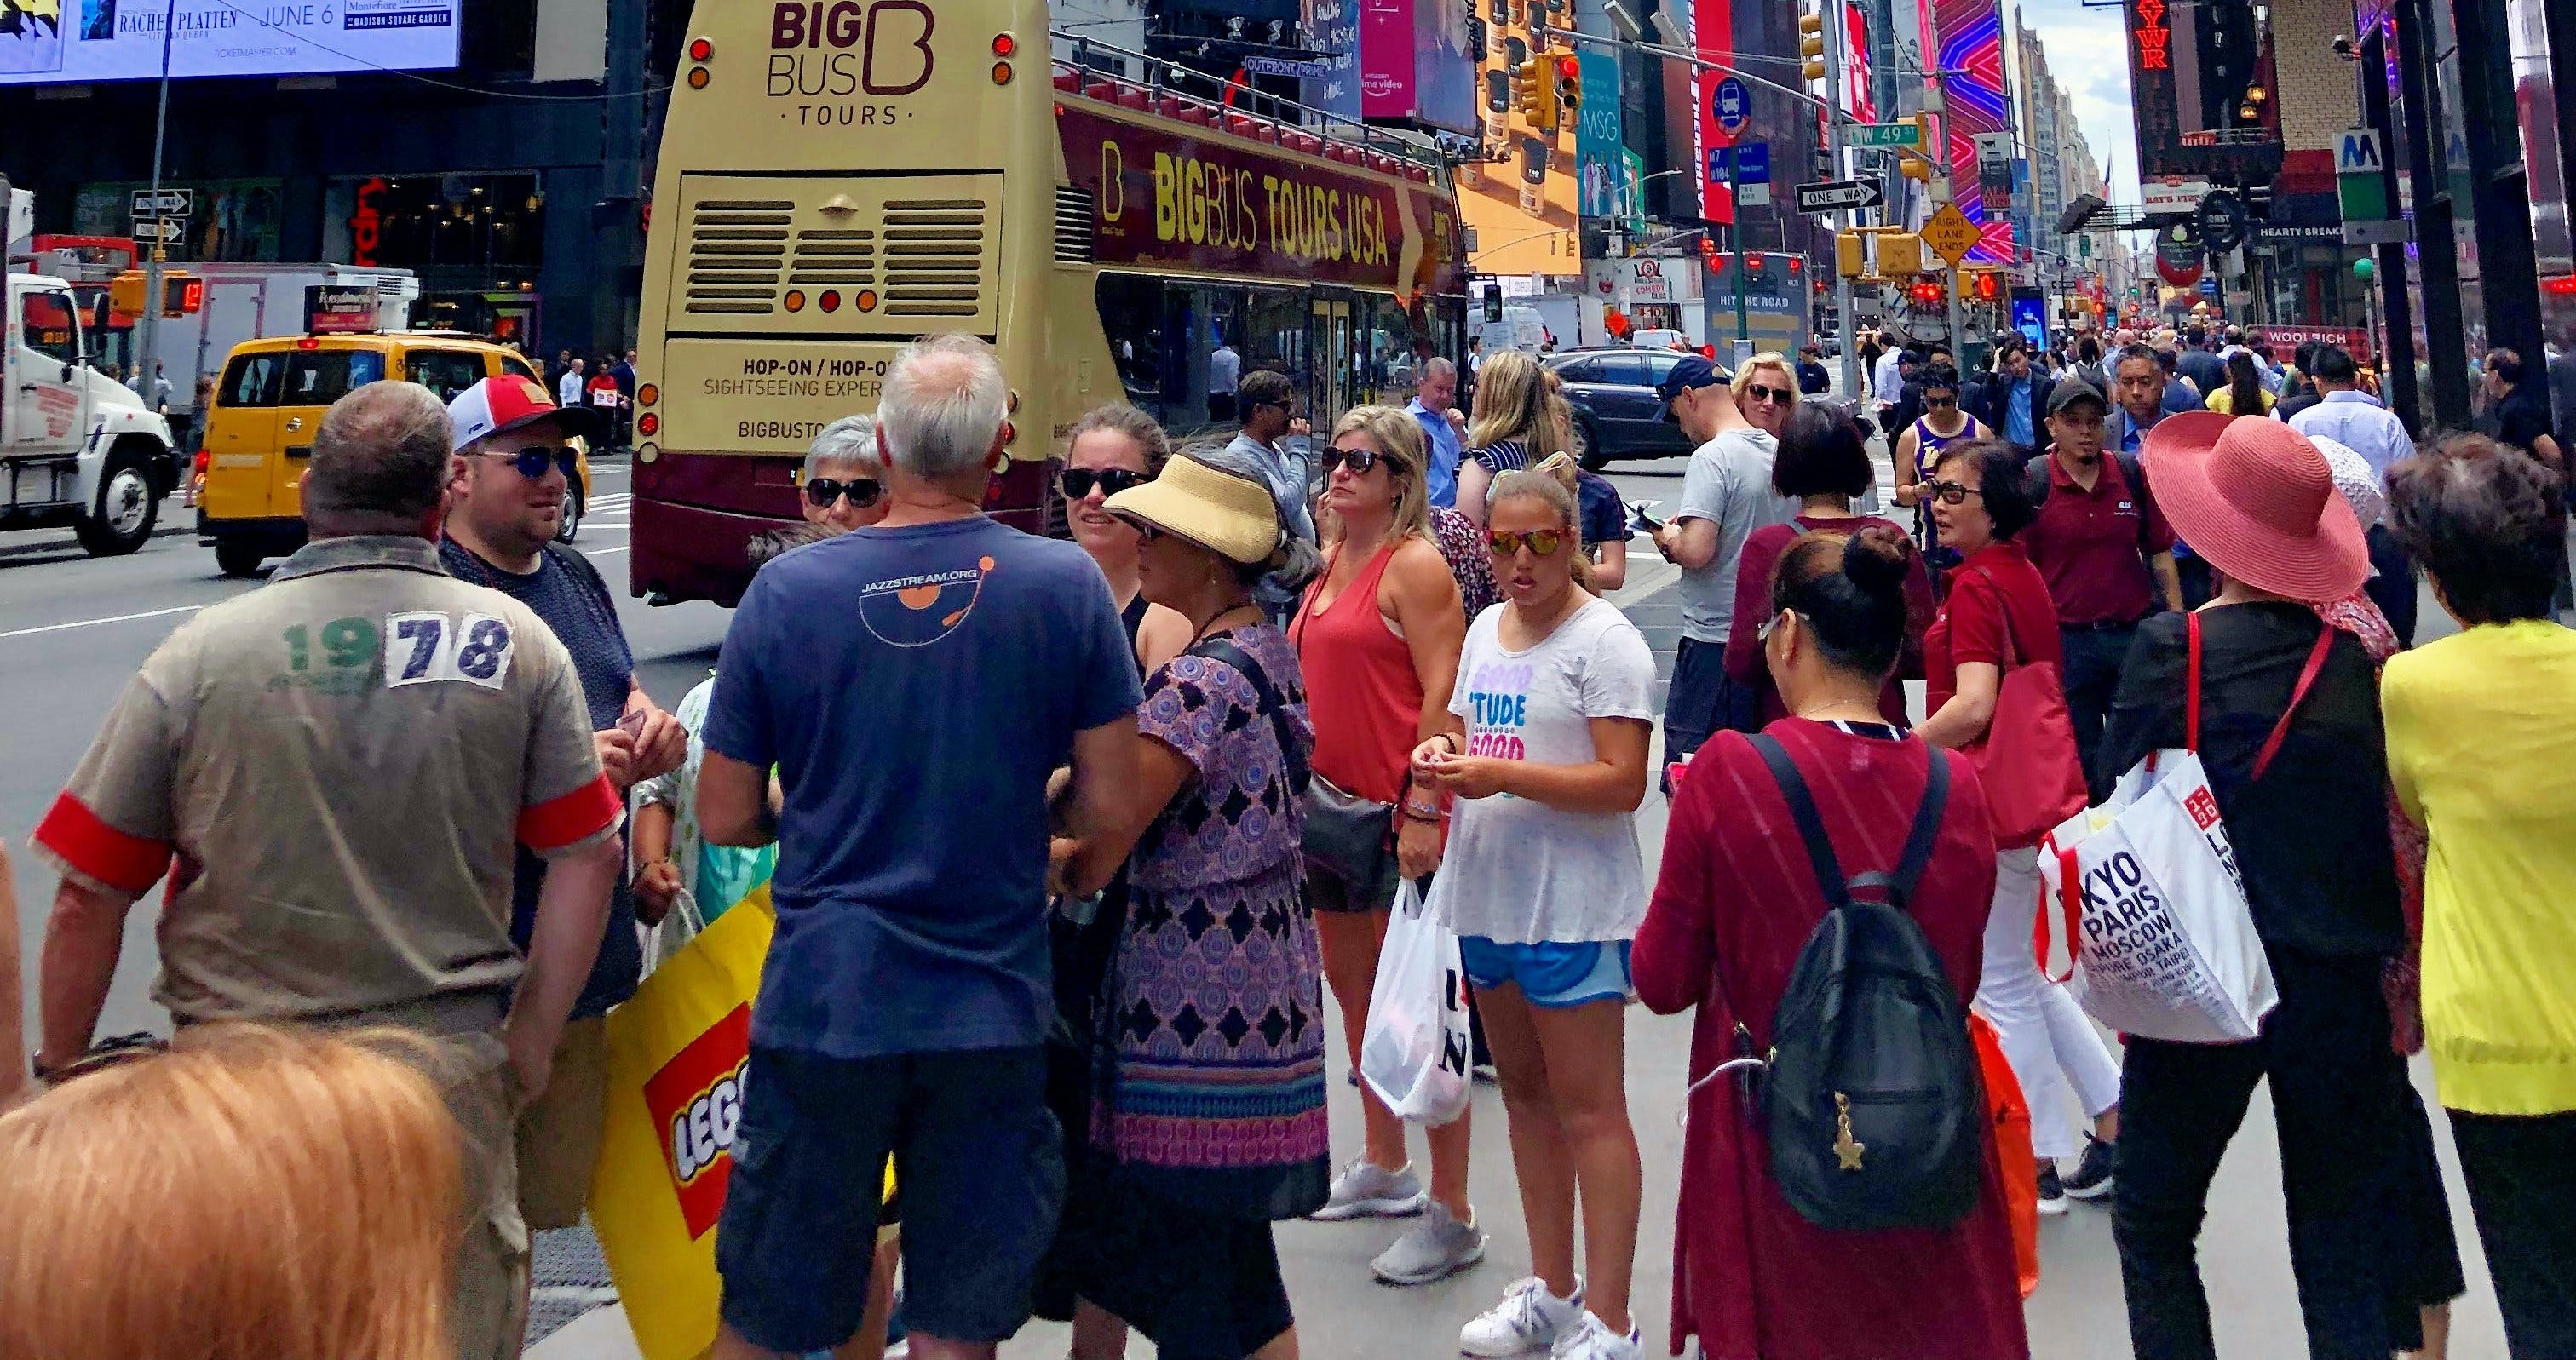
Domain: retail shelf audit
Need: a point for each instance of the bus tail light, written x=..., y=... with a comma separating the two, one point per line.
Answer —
x=648, y=453
x=1004, y=45
x=648, y=423
x=866, y=301
x=795, y=299
x=701, y=50
x=1001, y=73
x=697, y=77
x=649, y=393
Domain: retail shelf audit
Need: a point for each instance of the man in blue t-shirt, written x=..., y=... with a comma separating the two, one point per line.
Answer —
x=511, y=439
x=914, y=683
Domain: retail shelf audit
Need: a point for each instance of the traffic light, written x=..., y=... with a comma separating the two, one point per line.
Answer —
x=1983, y=284
x=1913, y=166
x=1811, y=46
x=1493, y=299
x=1899, y=254
x=1851, y=254
x=1569, y=88
x=1535, y=93
x=182, y=295
x=125, y=293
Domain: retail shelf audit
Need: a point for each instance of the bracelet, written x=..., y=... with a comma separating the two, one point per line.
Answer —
x=1420, y=813
x=1412, y=816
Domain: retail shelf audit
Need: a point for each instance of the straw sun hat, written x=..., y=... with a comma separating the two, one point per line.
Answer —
x=2256, y=500
x=1233, y=517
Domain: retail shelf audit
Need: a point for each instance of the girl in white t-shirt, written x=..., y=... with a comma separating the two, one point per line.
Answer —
x=1544, y=884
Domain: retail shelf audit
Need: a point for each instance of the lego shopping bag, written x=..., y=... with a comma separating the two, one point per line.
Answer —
x=676, y=1056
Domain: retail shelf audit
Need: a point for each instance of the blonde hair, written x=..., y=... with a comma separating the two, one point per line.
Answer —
x=1400, y=445
x=257, y=1194
x=1553, y=484
x=1769, y=358
x=1510, y=401
x=1556, y=417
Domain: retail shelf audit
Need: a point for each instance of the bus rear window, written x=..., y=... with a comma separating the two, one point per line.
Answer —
x=321, y=377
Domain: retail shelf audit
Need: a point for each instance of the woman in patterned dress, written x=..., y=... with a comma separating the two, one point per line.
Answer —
x=1211, y=1126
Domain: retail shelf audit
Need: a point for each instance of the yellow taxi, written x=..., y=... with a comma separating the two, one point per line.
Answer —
x=269, y=402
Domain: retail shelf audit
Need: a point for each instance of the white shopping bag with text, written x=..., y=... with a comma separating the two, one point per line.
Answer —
x=2154, y=910
x=1414, y=1050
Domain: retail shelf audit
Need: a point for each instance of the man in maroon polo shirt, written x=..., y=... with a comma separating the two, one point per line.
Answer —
x=2106, y=554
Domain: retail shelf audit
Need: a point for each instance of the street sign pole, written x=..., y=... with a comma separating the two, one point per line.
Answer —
x=147, y=330
x=1835, y=35
x=1735, y=208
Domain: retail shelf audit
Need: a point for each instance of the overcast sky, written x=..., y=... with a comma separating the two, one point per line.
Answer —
x=2088, y=53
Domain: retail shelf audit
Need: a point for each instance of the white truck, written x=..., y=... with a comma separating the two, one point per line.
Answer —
x=77, y=449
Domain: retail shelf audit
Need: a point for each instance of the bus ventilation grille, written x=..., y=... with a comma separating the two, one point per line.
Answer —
x=737, y=248
x=934, y=256
x=1075, y=208
x=829, y=257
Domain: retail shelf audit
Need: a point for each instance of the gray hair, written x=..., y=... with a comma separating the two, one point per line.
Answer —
x=1295, y=562
x=945, y=399
x=1434, y=367
x=851, y=439
x=381, y=460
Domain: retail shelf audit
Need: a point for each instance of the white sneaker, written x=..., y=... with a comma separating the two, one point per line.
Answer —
x=1591, y=1339
x=1366, y=1190
x=1526, y=1322
x=1435, y=1247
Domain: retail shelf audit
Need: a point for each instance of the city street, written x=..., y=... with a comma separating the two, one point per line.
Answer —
x=72, y=629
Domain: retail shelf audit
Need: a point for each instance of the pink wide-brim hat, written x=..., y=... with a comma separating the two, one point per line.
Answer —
x=2255, y=499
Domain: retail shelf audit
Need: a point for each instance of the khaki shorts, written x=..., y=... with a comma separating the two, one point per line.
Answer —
x=559, y=1135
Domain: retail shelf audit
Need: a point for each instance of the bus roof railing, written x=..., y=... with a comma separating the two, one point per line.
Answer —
x=1077, y=72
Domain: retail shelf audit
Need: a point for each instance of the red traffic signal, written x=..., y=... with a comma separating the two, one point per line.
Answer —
x=1567, y=68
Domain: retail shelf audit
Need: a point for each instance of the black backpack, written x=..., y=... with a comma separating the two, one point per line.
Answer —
x=1872, y=1097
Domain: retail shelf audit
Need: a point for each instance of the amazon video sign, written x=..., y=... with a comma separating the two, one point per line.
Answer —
x=1182, y=202
x=45, y=42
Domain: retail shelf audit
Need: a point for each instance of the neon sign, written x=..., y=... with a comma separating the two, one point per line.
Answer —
x=2155, y=41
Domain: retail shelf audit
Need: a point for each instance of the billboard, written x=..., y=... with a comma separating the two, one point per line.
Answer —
x=1713, y=37
x=1522, y=203
x=1415, y=66
x=2202, y=81
x=1969, y=35
x=77, y=41
x=1336, y=29
x=1597, y=145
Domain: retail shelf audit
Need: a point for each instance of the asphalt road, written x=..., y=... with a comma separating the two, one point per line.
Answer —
x=72, y=629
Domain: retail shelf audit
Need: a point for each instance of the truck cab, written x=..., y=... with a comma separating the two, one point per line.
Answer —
x=76, y=448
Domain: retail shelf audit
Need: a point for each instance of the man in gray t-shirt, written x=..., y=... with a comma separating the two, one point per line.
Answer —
x=1726, y=495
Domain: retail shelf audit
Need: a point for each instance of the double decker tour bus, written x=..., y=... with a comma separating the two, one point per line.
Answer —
x=840, y=177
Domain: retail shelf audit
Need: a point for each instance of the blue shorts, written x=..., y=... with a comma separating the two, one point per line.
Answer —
x=1552, y=975
x=979, y=1162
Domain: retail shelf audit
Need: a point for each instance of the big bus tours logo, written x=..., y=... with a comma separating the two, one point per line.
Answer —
x=696, y=1104
x=841, y=48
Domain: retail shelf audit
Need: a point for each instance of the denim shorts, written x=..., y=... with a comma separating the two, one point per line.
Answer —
x=1552, y=975
x=981, y=1166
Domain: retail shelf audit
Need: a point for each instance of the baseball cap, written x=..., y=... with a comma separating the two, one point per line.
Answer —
x=513, y=401
x=1692, y=371
x=2072, y=390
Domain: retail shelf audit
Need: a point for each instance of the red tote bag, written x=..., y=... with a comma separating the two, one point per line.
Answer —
x=2027, y=762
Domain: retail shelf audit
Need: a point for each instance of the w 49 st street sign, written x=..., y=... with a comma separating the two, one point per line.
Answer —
x=1885, y=134
x=1835, y=195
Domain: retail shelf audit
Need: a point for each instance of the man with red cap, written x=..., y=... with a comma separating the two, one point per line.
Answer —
x=516, y=461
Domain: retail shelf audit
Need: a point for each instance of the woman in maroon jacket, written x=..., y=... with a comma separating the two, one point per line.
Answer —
x=1735, y=904
x=1822, y=465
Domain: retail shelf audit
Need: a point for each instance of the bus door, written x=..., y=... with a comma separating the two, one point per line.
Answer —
x=1334, y=346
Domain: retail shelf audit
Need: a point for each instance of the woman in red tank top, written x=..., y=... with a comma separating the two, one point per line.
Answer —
x=1377, y=638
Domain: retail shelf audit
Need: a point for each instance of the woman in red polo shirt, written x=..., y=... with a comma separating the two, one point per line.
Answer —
x=1998, y=617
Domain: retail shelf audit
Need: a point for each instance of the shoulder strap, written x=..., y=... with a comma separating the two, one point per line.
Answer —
x=1811, y=827
x=2298, y=693
x=1272, y=702
x=1919, y=839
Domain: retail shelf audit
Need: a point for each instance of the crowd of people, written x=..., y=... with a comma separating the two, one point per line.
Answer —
x=1067, y=842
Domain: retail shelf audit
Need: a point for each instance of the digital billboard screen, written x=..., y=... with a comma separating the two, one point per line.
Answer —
x=50, y=42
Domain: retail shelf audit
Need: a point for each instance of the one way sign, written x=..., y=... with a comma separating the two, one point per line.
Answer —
x=1835, y=195
x=166, y=203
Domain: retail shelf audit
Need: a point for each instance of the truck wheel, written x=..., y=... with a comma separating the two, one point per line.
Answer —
x=236, y=558
x=1587, y=445
x=571, y=523
x=127, y=504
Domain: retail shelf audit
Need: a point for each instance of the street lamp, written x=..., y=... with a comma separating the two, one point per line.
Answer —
x=146, y=342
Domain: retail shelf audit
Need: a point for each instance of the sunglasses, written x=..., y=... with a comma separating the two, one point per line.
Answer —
x=1941, y=403
x=1953, y=493
x=1771, y=624
x=1077, y=483
x=862, y=491
x=1359, y=461
x=1543, y=542
x=532, y=463
x=1758, y=392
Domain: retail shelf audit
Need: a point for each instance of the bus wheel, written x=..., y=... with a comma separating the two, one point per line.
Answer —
x=128, y=500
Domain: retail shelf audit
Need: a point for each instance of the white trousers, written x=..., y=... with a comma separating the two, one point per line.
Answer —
x=2067, y=1074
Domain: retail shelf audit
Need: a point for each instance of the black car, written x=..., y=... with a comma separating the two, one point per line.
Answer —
x=1616, y=412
